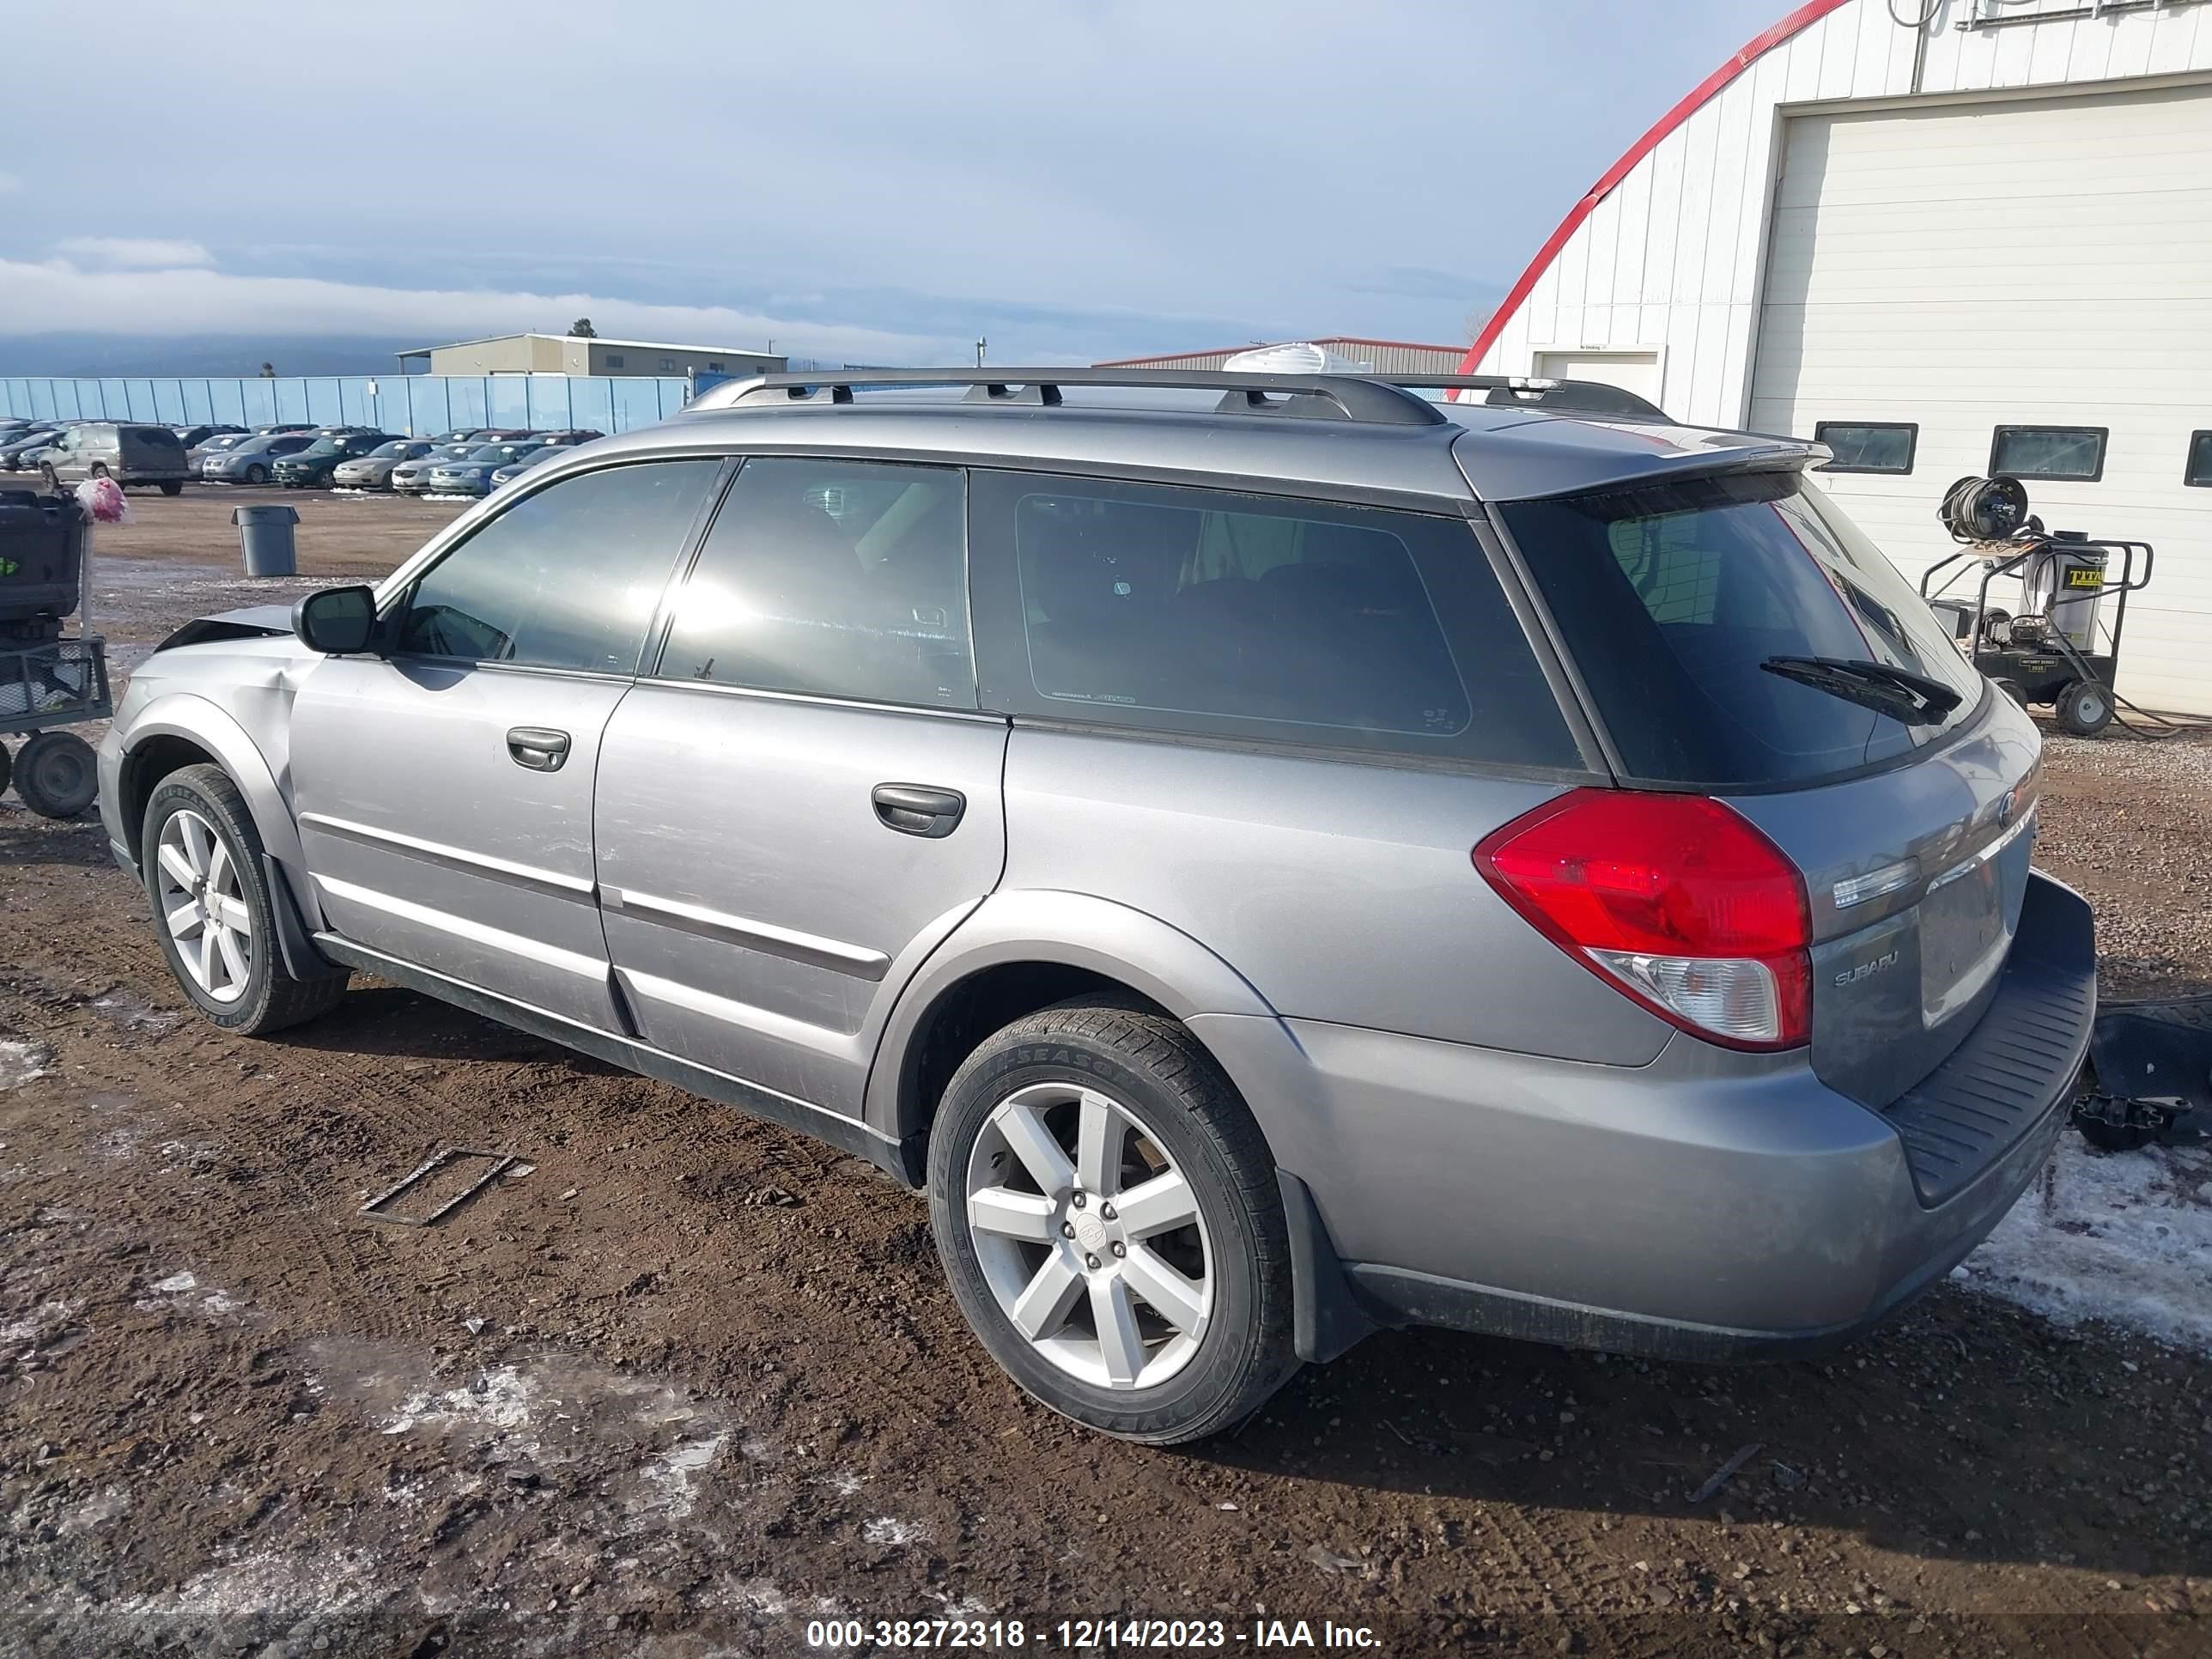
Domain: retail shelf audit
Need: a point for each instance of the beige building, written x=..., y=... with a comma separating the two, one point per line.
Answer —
x=571, y=354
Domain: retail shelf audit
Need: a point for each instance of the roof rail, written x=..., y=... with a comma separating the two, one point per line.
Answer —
x=1559, y=397
x=1365, y=398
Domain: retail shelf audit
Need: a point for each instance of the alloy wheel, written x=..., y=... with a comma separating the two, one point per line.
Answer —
x=1089, y=1236
x=203, y=906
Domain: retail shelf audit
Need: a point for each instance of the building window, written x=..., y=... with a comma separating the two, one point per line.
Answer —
x=2199, y=476
x=1868, y=445
x=2070, y=452
x=614, y=360
x=668, y=365
x=713, y=365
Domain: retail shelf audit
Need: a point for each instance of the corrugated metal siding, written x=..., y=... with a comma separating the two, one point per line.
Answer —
x=1899, y=286
x=1676, y=258
x=1671, y=258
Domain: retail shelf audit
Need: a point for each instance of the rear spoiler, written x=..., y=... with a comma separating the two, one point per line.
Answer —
x=1545, y=459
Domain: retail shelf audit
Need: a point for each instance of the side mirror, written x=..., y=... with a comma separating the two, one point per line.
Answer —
x=337, y=621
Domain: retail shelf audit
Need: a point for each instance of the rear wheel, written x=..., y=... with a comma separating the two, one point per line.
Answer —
x=2084, y=709
x=1108, y=1214
x=7, y=766
x=173, y=487
x=56, y=775
x=214, y=911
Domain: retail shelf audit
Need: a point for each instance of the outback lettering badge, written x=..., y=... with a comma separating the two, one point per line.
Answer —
x=1868, y=970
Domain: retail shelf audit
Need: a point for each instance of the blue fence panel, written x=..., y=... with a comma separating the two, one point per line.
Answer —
x=592, y=404
x=430, y=406
x=637, y=402
x=508, y=397
x=419, y=404
x=547, y=409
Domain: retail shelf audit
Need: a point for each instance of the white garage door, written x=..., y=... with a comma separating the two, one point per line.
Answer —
x=2035, y=263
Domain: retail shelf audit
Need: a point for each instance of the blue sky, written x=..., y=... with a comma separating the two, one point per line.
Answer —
x=856, y=180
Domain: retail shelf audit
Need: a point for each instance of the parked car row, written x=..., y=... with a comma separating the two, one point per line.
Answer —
x=295, y=454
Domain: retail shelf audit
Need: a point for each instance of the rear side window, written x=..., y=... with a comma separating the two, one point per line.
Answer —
x=568, y=577
x=841, y=579
x=1673, y=599
x=1243, y=616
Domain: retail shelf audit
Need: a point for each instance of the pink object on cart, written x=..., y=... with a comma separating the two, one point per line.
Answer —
x=103, y=502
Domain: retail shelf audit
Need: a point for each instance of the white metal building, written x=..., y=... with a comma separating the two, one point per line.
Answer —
x=1983, y=243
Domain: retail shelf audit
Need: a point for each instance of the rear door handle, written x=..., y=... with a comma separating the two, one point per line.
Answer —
x=916, y=809
x=540, y=748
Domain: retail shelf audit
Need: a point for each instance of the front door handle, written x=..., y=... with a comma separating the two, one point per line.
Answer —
x=540, y=748
x=916, y=809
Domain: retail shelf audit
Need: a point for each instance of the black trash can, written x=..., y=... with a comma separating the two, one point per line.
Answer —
x=264, y=539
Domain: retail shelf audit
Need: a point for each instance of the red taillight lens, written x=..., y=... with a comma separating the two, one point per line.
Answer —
x=1675, y=900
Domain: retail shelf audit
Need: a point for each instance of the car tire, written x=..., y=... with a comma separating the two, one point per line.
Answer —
x=53, y=479
x=2084, y=709
x=7, y=769
x=1201, y=1307
x=257, y=475
x=244, y=986
x=56, y=775
x=173, y=487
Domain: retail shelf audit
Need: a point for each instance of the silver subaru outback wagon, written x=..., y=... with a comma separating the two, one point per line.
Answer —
x=1269, y=865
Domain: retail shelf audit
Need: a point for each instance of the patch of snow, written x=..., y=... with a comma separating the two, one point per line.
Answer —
x=219, y=1303
x=264, y=1590
x=890, y=1529
x=844, y=1482
x=41, y=1319
x=2121, y=1237
x=176, y=1283
x=21, y=1061
x=94, y=1512
x=669, y=1474
x=502, y=1399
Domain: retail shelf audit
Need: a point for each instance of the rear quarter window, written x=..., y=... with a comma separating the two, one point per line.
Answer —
x=1251, y=618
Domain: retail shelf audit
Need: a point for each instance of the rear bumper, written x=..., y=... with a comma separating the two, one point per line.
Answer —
x=1710, y=1205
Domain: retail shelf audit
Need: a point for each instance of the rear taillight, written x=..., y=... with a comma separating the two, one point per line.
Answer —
x=1675, y=900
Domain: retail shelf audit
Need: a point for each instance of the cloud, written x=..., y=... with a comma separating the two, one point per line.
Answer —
x=133, y=252
x=55, y=297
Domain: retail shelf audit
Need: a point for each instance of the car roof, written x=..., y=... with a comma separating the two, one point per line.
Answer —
x=1094, y=423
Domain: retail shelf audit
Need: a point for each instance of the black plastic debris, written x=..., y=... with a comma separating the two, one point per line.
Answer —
x=2153, y=1065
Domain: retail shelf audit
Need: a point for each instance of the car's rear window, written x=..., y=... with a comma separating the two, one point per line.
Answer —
x=1672, y=597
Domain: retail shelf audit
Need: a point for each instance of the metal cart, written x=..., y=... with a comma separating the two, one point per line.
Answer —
x=2062, y=648
x=48, y=682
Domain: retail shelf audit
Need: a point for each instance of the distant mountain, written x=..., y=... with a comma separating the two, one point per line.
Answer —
x=89, y=355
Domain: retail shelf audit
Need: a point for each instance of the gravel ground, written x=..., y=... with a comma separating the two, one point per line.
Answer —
x=691, y=1382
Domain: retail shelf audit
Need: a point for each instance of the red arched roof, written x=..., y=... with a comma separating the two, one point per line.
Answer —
x=1706, y=90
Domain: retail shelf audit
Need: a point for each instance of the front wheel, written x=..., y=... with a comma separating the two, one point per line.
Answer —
x=213, y=909
x=257, y=475
x=53, y=479
x=1108, y=1214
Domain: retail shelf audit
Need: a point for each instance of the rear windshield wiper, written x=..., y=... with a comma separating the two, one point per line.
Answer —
x=1913, y=699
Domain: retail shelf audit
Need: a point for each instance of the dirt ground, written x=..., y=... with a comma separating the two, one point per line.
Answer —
x=685, y=1382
